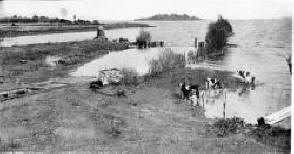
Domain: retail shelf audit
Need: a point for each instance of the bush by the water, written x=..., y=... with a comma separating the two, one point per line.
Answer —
x=166, y=61
x=217, y=36
x=143, y=39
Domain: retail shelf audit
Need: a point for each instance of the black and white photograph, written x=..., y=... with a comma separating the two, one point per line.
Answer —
x=145, y=76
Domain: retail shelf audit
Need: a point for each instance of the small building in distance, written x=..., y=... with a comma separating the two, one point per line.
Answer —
x=101, y=34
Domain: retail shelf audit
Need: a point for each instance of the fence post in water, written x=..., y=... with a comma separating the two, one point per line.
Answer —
x=203, y=98
x=224, y=112
x=161, y=44
x=196, y=43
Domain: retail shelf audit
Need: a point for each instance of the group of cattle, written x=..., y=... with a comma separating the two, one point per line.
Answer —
x=191, y=92
x=246, y=77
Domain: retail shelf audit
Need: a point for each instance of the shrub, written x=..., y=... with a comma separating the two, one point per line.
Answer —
x=143, y=39
x=166, y=61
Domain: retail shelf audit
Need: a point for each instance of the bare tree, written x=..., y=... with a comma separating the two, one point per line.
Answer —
x=74, y=17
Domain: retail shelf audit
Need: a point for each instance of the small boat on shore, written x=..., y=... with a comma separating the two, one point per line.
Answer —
x=109, y=76
x=278, y=116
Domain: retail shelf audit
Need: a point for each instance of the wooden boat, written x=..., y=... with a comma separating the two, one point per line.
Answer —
x=278, y=116
x=13, y=93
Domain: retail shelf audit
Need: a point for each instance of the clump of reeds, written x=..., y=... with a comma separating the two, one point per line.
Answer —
x=229, y=125
x=166, y=61
x=143, y=39
x=130, y=76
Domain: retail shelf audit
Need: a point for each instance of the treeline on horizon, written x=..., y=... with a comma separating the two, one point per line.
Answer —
x=45, y=19
x=172, y=16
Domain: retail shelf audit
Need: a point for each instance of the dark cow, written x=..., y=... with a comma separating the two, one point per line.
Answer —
x=211, y=83
x=246, y=76
x=96, y=85
x=187, y=90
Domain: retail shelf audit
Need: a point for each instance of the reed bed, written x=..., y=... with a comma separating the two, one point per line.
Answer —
x=166, y=61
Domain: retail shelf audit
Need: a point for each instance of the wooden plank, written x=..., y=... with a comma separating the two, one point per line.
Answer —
x=278, y=116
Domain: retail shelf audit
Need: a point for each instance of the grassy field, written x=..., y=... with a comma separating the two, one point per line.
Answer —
x=151, y=118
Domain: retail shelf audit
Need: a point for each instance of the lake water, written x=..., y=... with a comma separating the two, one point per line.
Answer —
x=262, y=48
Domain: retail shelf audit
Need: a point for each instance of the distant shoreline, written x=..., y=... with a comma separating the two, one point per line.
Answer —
x=166, y=20
x=170, y=17
x=14, y=31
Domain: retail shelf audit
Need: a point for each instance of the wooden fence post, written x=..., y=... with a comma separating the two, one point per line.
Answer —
x=196, y=42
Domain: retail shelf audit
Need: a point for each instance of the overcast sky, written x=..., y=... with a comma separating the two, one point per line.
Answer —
x=132, y=9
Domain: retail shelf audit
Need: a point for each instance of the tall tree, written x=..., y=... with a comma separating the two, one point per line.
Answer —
x=217, y=35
